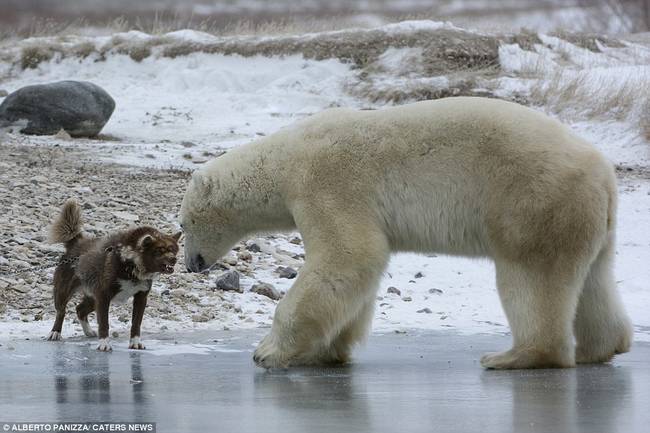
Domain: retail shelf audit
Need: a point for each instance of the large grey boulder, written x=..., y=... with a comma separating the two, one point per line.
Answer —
x=79, y=107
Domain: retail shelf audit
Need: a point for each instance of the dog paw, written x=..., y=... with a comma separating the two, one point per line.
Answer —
x=104, y=345
x=88, y=331
x=135, y=343
x=54, y=336
x=269, y=355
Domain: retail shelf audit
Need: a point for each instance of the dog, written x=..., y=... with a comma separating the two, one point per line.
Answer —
x=107, y=269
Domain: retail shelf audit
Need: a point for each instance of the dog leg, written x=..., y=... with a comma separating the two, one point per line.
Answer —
x=139, y=304
x=85, y=307
x=63, y=291
x=101, y=308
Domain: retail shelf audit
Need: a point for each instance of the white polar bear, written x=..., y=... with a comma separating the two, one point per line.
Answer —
x=462, y=176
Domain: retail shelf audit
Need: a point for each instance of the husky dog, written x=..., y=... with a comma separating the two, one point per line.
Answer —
x=107, y=269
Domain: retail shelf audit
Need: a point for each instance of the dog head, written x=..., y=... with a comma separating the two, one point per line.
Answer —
x=151, y=250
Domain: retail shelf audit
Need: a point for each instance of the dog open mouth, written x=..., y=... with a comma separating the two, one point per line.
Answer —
x=168, y=269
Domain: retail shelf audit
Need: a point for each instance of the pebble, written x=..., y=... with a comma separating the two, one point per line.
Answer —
x=199, y=318
x=229, y=281
x=254, y=248
x=287, y=272
x=419, y=275
x=394, y=290
x=266, y=289
x=407, y=299
x=245, y=256
x=435, y=291
x=296, y=241
x=425, y=310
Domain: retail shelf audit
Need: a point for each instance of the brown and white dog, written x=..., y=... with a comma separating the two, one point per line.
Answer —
x=109, y=269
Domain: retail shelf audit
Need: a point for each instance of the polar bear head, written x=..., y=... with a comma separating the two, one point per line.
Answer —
x=208, y=221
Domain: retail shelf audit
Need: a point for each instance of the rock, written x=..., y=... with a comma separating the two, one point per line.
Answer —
x=266, y=289
x=229, y=281
x=394, y=290
x=287, y=272
x=3, y=93
x=435, y=291
x=407, y=299
x=425, y=310
x=79, y=107
x=115, y=334
x=232, y=261
x=254, y=248
x=123, y=318
x=419, y=275
x=296, y=241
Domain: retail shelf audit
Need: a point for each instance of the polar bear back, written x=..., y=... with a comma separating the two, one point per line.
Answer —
x=467, y=176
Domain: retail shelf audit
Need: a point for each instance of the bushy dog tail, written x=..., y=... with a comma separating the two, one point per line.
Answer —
x=67, y=227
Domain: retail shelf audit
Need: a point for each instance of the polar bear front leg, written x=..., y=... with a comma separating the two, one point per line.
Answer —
x=331, y=294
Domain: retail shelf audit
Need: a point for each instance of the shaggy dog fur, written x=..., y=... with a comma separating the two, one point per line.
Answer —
x=108, y=269
x=462, y=176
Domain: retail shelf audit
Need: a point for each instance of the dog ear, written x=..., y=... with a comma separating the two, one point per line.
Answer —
x=145, y=241
x=177, y=236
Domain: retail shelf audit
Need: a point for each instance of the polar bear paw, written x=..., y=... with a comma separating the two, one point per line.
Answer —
x=269, y=354
x=525, y=358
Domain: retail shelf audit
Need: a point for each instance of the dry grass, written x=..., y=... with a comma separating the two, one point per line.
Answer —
x=576, y=96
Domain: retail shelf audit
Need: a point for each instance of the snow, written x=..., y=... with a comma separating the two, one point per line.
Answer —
x=214, y=101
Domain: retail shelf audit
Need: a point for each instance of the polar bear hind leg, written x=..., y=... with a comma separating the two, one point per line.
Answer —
x=327, y=309
x=540, y=306
x=602, y=328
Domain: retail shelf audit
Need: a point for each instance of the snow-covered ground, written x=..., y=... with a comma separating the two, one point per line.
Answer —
x=181, y=111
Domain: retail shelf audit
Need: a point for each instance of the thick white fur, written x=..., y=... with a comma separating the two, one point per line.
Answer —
x=463, y=176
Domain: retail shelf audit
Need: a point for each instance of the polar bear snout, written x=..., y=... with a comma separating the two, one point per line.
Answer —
x=195, y=263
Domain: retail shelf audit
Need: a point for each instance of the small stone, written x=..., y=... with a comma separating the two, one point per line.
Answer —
x=165, y=292
x=115, y=334
x=296, y=241
x=419, y=275
x=266, y=289
x=394, y=290
x=38, y=179
x=3, y=93
x=232, y=261
x=287, y=272
x=407, y=299
x=254, y=248
x=199, y=318
x=425, y=310
x=123, y=318
x=245, y=256
x=164, y=328
x=178, y=293
x=435, y=291
x=126, y=216
x=187, y=144
x=62, y=135
x=229, y=281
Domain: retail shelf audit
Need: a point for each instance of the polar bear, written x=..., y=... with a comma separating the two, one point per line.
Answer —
x=463, y=176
